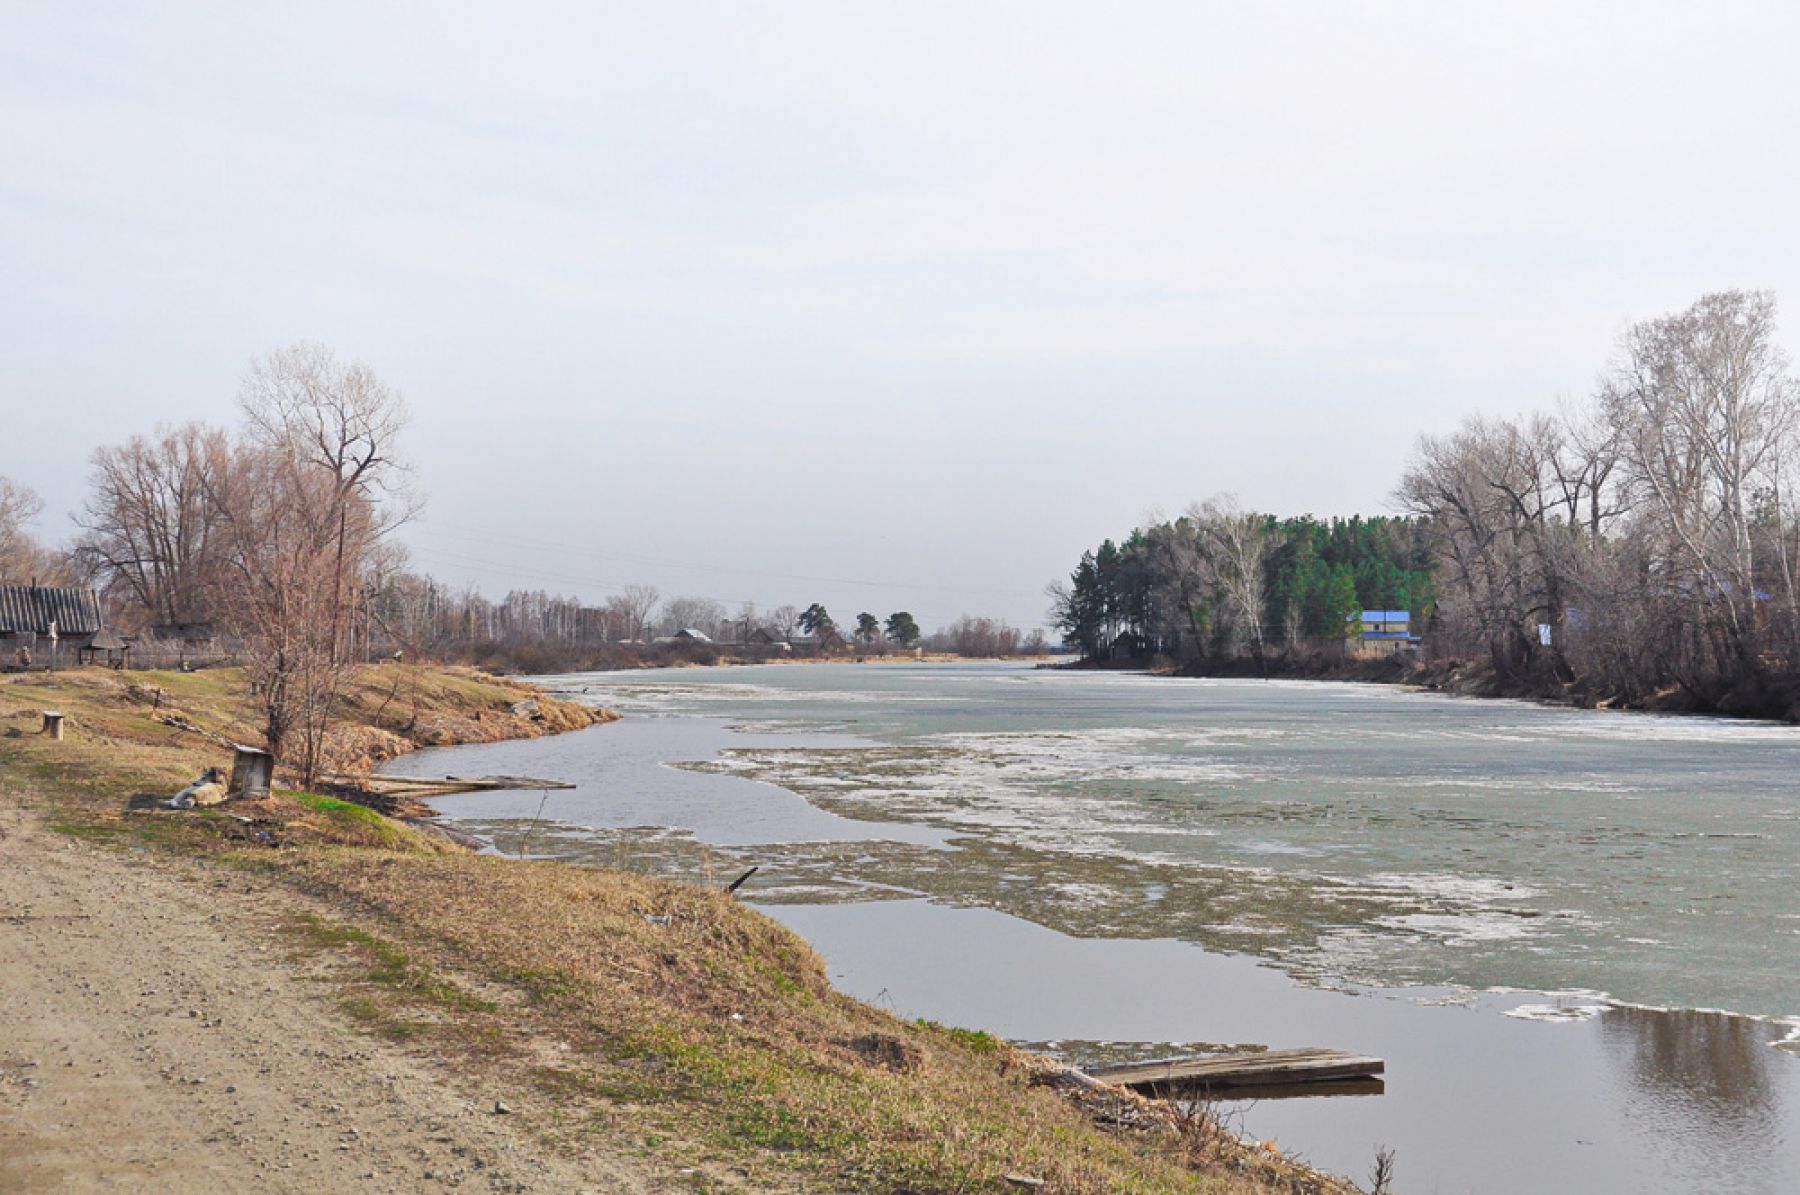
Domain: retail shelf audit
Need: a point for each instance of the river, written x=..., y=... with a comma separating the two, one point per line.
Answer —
x=1572, y=934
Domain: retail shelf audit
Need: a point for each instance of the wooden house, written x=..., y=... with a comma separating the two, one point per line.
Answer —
x=43, y=625
x=769, y=641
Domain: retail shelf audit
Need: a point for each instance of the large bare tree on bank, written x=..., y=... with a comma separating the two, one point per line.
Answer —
x=342, y=420
x=1646, y=539
x=152, y=523
x=316, y=486
x=1707, y=414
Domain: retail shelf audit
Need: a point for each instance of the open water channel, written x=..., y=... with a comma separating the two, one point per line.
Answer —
x=1573, y=935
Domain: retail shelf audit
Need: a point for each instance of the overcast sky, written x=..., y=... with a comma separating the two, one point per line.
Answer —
x=885, y=305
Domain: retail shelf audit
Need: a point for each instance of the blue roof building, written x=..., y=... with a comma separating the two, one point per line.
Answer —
x=1385, y=624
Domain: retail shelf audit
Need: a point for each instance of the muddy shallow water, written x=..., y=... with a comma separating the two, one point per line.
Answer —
x=1107, y=864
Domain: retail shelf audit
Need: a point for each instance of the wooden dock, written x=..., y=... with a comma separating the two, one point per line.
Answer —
x=423, y=786
x=405, y=796
x=1268, y=1069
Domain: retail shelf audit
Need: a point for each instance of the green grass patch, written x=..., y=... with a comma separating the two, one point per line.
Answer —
x=358, y=825
x=978, y=1040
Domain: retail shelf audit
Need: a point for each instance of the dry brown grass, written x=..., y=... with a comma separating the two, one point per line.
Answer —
x=672, y=1014
x=648, y=1016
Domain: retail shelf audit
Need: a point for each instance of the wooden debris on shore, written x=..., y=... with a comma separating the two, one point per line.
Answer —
x=405, y=796
x=1120, y=1107
x=1266, y=1070
x=428, y=786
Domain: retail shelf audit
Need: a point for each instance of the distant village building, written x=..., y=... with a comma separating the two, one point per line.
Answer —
x=1382, y=632
x=769, y=640
x=825, y=642
x=41, y=625
x=1386, y=624
x=690, y=635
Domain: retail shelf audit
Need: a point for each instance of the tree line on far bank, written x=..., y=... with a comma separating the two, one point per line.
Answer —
x=1221, y=583
x=1640, y=545
x=534, y=631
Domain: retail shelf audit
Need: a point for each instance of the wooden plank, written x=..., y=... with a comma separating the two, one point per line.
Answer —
x=1234, y=1070
x=421, y=786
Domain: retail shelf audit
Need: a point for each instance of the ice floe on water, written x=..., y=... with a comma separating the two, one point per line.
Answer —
x=1451, y=887
x=1558, y=1013
x=1459, y=929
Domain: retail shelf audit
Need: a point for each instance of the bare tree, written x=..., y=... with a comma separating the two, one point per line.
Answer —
x=281, y=534
x=304, y=506
x=977, y=638
x=633, y=609
x=1475, y=492
x=342, y=420
x=692, y=613
x=22, y=557
x=1238, y=544
x=1707, y=414
x=151, y=522
x=18, y=548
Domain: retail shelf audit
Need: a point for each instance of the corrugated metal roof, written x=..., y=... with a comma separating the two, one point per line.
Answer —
x=32, y=608
x=1386, y=615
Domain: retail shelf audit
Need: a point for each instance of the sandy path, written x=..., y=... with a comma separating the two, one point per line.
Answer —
x=148, y=1043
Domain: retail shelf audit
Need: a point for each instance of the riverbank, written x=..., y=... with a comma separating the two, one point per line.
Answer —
x=1772, y=701
x=530, y=1022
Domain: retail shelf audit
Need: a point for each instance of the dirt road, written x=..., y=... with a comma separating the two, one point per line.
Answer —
x=155, y=1036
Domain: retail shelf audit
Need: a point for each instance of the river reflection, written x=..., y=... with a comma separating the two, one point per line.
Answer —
x=1703, y=1083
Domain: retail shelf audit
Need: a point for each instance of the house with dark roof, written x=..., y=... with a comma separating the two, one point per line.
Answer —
x=42, y=624
x=826, y=641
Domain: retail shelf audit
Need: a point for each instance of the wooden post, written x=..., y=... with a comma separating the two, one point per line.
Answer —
x=53, y=724
x=251, y=771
